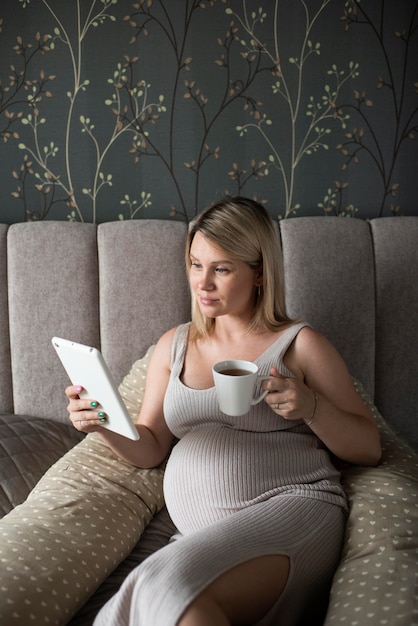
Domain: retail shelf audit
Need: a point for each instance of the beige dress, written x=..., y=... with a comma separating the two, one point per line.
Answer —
x=237, y=488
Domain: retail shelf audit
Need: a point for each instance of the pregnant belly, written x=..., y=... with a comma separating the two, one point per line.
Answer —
x=214, y=471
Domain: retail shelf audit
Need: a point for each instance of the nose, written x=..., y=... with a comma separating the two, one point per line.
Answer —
x=205, y=281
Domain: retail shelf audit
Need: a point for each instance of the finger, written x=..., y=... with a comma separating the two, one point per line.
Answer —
x=77, y=405
x=73, y=391
x=275, y=372
x=88, y=420
x=275, y=384
x=91, y=418
x=276, y=401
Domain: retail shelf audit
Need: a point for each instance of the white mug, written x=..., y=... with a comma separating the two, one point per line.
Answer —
x=235, y=383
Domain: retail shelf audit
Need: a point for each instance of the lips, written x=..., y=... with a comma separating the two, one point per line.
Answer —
x=207, y=301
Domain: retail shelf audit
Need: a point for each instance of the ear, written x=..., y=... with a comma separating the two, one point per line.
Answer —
x=259, y=277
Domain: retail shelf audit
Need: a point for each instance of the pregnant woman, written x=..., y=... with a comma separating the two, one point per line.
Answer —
x=256, y=500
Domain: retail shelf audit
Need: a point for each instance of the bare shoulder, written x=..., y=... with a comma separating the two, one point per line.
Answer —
x=310, y=346
x=309, y=335
x=324, y=369
x=158, y=375
x=166, y=340
x=313, y=358
x=162, y=351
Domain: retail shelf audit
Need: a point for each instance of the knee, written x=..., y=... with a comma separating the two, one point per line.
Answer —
x=241, y=595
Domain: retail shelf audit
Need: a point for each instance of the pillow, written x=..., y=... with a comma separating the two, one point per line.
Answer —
x=28, y=447
x=80, y=521
x=374, y=582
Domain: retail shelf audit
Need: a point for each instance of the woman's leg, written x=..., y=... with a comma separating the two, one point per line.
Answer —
x=242, y=595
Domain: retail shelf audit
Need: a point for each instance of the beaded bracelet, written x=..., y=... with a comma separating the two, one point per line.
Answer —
x=311, y=419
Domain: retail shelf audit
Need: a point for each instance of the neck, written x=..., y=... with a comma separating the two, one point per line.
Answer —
x=232, y=330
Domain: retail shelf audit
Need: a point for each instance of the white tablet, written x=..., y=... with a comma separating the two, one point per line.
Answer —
x=86, y=367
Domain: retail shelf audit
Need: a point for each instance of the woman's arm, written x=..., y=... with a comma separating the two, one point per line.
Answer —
x=338, y=416
x=155, y=437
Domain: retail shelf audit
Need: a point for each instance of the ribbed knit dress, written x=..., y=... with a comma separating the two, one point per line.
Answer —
x=237, y=488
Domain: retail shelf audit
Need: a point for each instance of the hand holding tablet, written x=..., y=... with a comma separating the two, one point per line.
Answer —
x=86, y=367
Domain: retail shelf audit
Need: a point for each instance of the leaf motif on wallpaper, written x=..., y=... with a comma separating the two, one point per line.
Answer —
x=132, y=113
x=366, y=139
x=20, y=102
x=132, y=108
x=241, y=176
x=20, y=92
x=134, y=206
x=53, y=184
x=321, y=114
x=332, y=203
x=234, y=89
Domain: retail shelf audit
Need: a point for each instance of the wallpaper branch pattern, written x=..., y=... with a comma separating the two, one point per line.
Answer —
x=315, y=135
x=112, y=109
x=404, y=126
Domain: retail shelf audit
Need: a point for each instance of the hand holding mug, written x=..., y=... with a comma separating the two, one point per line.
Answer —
x=235, y=382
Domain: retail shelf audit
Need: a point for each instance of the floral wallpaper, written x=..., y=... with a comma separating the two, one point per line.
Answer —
x=121, y=109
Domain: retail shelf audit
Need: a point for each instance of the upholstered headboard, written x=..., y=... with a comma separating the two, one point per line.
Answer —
x=120, y=285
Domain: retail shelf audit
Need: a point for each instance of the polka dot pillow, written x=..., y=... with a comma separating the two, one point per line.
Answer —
x=89, y=510
x=80, y=521
x=375, y=582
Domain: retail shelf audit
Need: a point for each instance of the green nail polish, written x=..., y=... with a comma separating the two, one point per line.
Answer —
x=101, y=414
x=102, y=420
x=94, y=404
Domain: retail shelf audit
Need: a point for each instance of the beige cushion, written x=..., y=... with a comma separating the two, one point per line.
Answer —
x=375, y=582
x=79, y=522
x=90, y=509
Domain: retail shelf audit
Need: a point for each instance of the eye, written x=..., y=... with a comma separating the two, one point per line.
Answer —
x=195, y=265
x=222, y=270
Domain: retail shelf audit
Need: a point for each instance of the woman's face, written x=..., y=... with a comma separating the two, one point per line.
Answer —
x=222, y=285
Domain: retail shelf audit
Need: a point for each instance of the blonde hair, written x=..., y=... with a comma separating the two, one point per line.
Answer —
x=244, y=230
